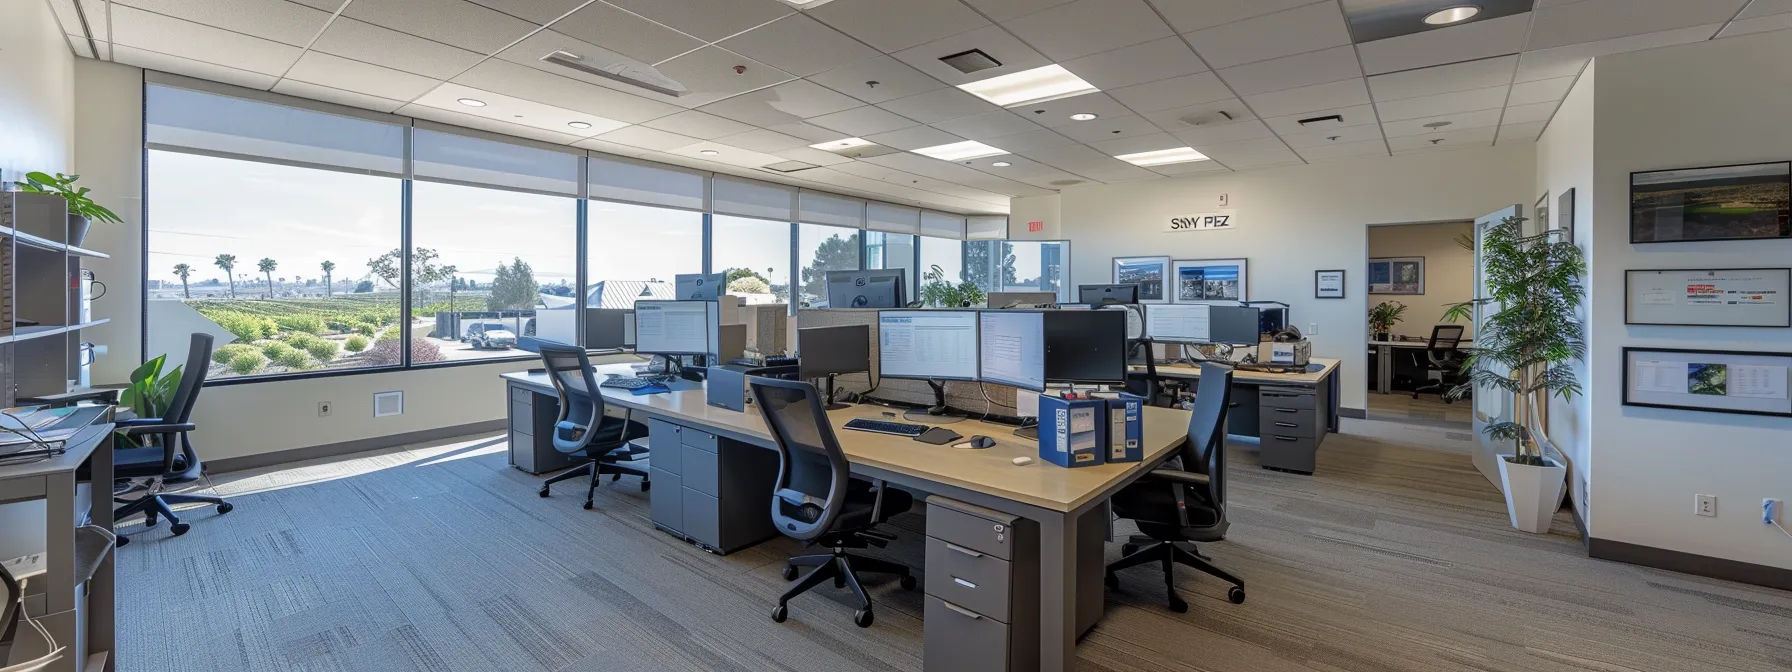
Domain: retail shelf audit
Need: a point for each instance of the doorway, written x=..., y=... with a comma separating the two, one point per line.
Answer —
x=1416, y=274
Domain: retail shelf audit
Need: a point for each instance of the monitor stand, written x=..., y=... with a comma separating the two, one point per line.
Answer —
x=831, y=404
x=938, y=413
x=1028, y=432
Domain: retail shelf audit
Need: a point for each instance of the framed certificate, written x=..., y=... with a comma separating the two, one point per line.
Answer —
x=1328, y=284
x=1708, y=297
x=1717, y=381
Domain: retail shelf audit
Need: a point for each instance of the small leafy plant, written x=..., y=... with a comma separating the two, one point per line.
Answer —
x=64, y=185
x=942, y=293
x=1385, y=315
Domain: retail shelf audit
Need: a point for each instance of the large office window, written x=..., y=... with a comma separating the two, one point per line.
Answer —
x=634, y=251
x=891, y=251
x=755, y=253
x=942, y=260
x=1017, y=266
x=821, y=249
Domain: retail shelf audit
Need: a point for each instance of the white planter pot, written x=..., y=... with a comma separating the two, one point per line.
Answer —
x=1533, y=494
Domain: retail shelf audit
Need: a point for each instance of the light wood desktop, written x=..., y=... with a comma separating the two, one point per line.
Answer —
x=1291, y=413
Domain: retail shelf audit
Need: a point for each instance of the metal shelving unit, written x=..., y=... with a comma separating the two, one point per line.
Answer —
x=41, y=315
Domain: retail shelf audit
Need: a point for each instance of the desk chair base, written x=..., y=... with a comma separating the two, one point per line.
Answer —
x=1169, y=554
x=159, y=505
x=596, y=470
x=843, y=568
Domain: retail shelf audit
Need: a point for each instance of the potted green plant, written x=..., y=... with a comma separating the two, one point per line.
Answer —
x=1384, y=316
x=81, y=209
x=941, y=293
x=1526, y=348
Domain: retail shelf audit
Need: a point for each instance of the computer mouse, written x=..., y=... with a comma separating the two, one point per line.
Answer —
x=1022, y=461
x=980, y=442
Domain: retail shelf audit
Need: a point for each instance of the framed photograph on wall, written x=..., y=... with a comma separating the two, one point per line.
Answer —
x=1328, y=284
x=1209, y=281
x=1715, y=381
x=1149, y=273
x=1397, y=275
x=1565, y=214
x=1708, y=297
x=1742, y=202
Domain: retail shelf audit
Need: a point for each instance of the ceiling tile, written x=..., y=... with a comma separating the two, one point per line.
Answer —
x=785, y=103
x=1760, y=8
x=326, y=5
x=700, y=125
x=1224, y=150
x=894, y=26
x=647, y=138
x=625, y=33
x=761, y=140
x=863, y=121
x=939, y=105
x=1520, y=114
x=987, y=125
x=729, y=156
x=1285, y=33
x=709, y=74
x=1149, y=142
x=707, y=19
x=1348, y=134
x=482, y=123
x=617, y=149
x=1067, y=157
x=455, y=22
x=1358, y=115
x=1594, y=20
x=1567, y=61
x=1467, y=42
x=369, y=43
x=341, y=73
x=1137, y=64
x=1525, y=132
x=1014, y=55
x=1251, y=154
x=153, y=32
x=1029, y=141
x=910, y=139
x=539, y=12
x=1189, y=168
x=1112, y=128
x=1444, y=79
x=894, y=79
x=1540, y=91
x=293, y=87
x=1344, y=150
x=191, y=68
x=1196, y=136
x=1288, y=72
x=276, y=20
x=1164, y=94
x=799, y=45
x=1188, y=16
x=1056, y=113
x=1204, y=115
x=811, y=155
x=1761, y=24
x=1448, y=140
x=1309, y=98
x=515, y=111
x=809, y=132
x=1111, y=170
x=1490, y=98
x=545, y=87
x=1003, y=10
x=1456, y=121
x=1087, y=27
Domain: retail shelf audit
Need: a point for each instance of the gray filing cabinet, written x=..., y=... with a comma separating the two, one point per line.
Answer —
x=711, y=491
x=532, y=418
x=982, y=588
x=1292, y=423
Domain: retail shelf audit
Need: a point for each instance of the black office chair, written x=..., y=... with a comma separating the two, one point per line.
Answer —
x=163, y=452
x=1442, y=355
x=583, y=429
x=1158, y=390
x=1174, y=504
x=817, y=502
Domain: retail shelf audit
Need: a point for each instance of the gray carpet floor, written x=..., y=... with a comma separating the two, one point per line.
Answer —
x=1395, y=556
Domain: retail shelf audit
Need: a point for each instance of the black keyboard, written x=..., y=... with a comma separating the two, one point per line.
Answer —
x=634, y=382
x=886, y=427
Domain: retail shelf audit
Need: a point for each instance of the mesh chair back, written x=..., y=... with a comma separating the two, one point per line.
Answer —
x=812, y=469
x=192, y=378
x=581, y=404
x=1205, y=451
x=1445, y=337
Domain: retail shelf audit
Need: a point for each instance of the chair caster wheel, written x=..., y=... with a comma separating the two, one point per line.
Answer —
x=615, y=477
x=543, y=493
x=1112, y=581
x=226, y=507
x=779, y=613
x=1448, y=401
x=908, y=582
x=789, y=573
x=123, y=540
x=1236, y=595
x=1178, y=605
x=180, y=528
x=588, y=505
x=862, y=618
x=645, y=486
x=1128, y=549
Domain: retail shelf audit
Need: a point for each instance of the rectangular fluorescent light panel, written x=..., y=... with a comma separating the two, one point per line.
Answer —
x=960, y=151
x=1050, y=82
x=839, y=145
x=1163, y=156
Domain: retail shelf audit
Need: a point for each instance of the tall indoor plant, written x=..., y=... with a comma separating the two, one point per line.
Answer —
x=81, y=209
x=1527, y=347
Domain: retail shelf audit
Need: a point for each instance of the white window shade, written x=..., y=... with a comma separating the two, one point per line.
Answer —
x=986, y=228
x=892, y=218
x=184, y=120
x=750, y=198
x=942, y=225
x=448, y=157
x=814, y=207
x=614, y=178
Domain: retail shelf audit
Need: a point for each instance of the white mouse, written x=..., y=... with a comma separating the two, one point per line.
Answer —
x=1022, y=461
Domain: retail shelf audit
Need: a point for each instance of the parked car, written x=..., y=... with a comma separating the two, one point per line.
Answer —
x=487, y=335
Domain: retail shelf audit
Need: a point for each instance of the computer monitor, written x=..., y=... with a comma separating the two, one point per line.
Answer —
x=1238, y=325
x=607, y=328
x=1178, y=322
x=674, y=327
x=1135, y=317
x=1020, y=299
x=927, y=344
x=824, y=351
x=1085, y=346
x=884, y=288
x=1106, y=294
x=699, y=287
x=1012, y=350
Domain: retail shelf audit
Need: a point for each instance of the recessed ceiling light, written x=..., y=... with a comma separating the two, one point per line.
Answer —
x=1163, y=156
x=1050, y=82
x=1001, y=164
x=1083, y=116
x=842, y=144
x=578, y=124
x=472, y=102
x=1452, y=15
x=709, y=152
x=960, y=151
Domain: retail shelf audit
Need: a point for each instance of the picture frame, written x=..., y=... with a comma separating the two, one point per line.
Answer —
x=1328, y=284
x=1151, y=274
x=1750, y=201
x=1713, y=381
x=1397, y=275
x=1565, y=215
x=1210, y=281
x=1708, y=297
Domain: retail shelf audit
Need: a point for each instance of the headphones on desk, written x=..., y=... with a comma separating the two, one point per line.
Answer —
x=11, y=613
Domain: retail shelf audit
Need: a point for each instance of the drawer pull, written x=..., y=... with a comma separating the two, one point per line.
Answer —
x=1289, y=439
x=963, y=582
x=1286, y=424
x=964, y=550
x=1286, y=410
x=961, y=610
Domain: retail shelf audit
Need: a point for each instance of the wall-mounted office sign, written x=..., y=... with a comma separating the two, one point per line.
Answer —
x=1222, y=220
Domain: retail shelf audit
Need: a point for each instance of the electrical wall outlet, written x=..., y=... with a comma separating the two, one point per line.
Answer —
x=1705, y=505
x=324, y=408
x=1312, y=328
x=1770, y=510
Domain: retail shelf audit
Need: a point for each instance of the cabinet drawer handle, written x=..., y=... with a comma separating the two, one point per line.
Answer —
x=961, y=610
x=963, y=582
x=964, y=550
x=1286, y=410
x=1289, y=439
x=1286, y=424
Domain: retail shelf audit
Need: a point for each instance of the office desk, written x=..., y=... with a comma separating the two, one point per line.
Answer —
x=1384, y=359
x=1290, y=412
x=77, y=600
x=1056, y=499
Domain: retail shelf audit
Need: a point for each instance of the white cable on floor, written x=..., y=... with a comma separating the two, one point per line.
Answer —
x=1782, y=529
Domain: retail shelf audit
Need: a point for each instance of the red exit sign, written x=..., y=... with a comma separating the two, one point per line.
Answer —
x=1035, y=227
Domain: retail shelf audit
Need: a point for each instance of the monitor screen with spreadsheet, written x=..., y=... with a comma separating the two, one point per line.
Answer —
x=1178, y=322
x=673, y=327
x=927, y=344
x=1013, y=348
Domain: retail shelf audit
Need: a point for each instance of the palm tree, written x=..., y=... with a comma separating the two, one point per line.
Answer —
x=227, y=262
x=267, y=266
x=329, y=268
x=184, y=270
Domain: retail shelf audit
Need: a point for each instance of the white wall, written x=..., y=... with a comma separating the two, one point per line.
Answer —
x=1293, y=221
x=1565, y=161
x=1708, y=103
x=109, y=116
x=1449, y=271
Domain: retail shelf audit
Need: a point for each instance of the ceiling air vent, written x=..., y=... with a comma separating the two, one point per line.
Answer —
x=620, y=69
x=1327, y=121
x=1065, y=183
x=790, y=167
x=971, y=61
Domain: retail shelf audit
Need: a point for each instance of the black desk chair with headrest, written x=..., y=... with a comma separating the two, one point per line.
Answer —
x=163, y=451
x=816, y=500
x=1185, y=504
x=1442, y=354
x=583, y=429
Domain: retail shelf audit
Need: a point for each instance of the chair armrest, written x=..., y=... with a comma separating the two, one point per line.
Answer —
x=127, y=422
x=877, y=504
x=166, y=428
x=1176, y=476
x=799, y=499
